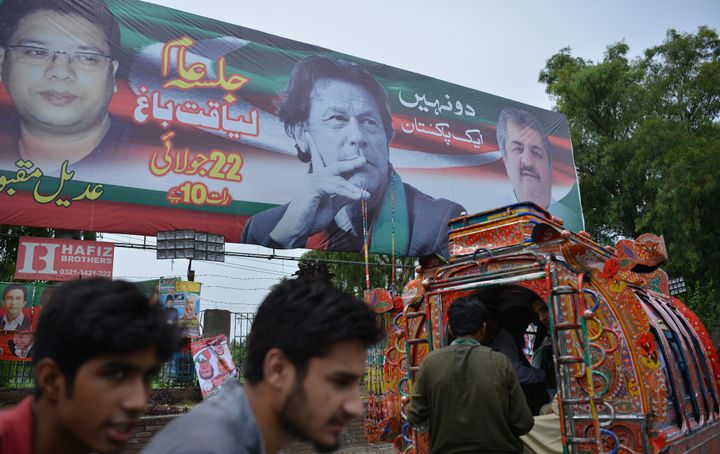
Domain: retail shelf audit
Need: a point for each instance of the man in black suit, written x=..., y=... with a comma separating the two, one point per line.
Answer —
x=22, y=344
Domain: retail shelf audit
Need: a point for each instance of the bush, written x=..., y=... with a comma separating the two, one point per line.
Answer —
x=703, y=302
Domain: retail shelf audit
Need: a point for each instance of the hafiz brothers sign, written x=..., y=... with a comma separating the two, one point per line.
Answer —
x=53, y=259
x=124, y=116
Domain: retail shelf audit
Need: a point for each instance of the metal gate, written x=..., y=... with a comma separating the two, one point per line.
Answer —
x=242, y=322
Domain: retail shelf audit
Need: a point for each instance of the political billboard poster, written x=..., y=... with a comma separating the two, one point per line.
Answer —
x=125, y=116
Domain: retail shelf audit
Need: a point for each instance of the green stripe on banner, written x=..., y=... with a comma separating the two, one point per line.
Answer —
x=113, y=193
x=270, y=66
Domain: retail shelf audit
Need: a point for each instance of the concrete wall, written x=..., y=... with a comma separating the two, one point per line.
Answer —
x=353, y=439
x=149, y=426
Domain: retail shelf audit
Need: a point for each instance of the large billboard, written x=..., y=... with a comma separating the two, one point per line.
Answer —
x=131, y=117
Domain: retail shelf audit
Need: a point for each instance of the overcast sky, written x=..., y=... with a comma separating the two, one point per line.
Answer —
x=496, y=47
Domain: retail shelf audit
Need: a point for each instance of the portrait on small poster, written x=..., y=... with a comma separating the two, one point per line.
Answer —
x=213, y=363
x=19, y=312
x=181, y=302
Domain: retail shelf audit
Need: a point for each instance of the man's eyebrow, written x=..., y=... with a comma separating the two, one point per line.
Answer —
x=339, y=109
x=38, y=42
x=538, y=147
x=517, y=142
x=343, y=376
x=25, y=42
x=91, y=49
x=128, y=366
x=118, y=364
x=369, y=113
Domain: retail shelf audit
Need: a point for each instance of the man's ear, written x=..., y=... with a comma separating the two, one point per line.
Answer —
x=115, y=65
x=2, y=60
x=482, y=333
x=302, y=143
x=50, y=380
x=278, y=371
x=299, y=132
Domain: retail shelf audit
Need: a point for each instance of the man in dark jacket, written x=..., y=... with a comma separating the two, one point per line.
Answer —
x=468, y=395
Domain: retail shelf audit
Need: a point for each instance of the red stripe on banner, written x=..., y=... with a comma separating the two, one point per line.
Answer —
x=5, y=101
x=491, y=171
x=560, y=143
x=123, y=101
x=116, y=217
x=563, y=174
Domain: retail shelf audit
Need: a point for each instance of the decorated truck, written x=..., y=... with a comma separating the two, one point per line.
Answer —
x=636, y=370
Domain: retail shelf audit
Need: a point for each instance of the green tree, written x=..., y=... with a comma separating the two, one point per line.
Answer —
x=348, y=270
x=646, y=138
x=704, y=304
x=9, y=238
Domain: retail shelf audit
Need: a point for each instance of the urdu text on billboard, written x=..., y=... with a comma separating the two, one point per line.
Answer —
x=131, y=117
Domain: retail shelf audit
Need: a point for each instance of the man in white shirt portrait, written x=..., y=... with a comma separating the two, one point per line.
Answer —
x=14, y=301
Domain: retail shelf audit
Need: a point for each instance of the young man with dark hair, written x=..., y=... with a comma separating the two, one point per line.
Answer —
x=97, y=346
x=466, y=394
x=305, y=356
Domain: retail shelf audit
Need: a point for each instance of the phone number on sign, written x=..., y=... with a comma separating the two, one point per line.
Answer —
x=84, y=273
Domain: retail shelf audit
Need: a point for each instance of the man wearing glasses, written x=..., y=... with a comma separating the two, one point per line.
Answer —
x=58, y=61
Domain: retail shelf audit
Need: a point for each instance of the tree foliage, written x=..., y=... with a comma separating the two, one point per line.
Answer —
x=646, y=138
x=9, y=239
x=704, y=304
x=348, y=270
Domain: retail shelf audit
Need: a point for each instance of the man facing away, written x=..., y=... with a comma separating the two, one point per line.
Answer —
x=468, y=395
x=535, y=382
x=306, y=354
x=97, y=346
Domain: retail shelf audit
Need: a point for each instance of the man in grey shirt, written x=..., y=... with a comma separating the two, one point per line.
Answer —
x=306, y=354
